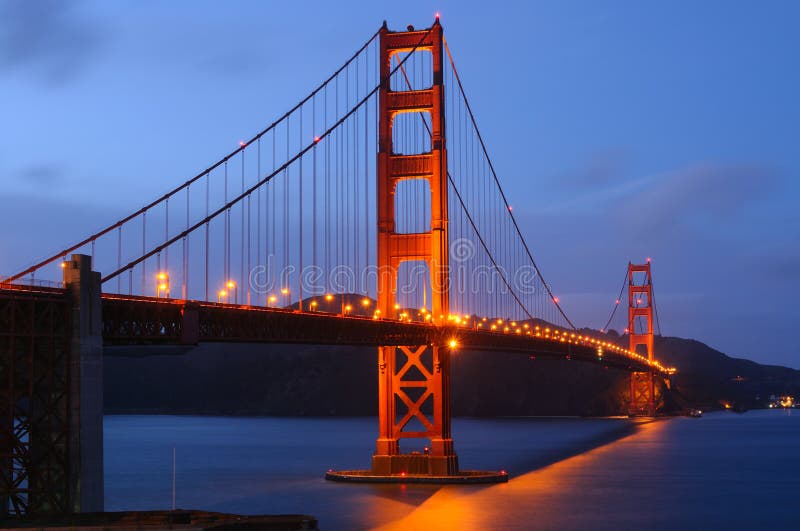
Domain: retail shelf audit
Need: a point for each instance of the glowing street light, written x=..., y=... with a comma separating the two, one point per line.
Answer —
x=365, y=302
x=232, y=287
x=313, y=305
x=162, y=284
x=221, y=295
x=272, y=300
x=453, y=343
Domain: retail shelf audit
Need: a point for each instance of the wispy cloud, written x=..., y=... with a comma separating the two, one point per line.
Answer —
x=700, y=193
x=708, y=192
x=601, y=169
x=49, y=39
x=41, y=174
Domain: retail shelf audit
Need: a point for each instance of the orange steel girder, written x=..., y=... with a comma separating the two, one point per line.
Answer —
x=642, y=393
x=429, y=361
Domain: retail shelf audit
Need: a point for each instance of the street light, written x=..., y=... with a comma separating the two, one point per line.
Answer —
x=272, y=300
x=221, y=294
x=313, y=305
x=162, y=284
x=231, y=285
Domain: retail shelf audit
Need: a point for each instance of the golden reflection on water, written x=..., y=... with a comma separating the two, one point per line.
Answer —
x=547, y=498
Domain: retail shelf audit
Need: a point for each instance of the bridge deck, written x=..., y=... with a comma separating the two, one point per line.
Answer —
x=134, y=320
x=148, y=321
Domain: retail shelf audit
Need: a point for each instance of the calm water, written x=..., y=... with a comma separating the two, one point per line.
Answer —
x=723, y=471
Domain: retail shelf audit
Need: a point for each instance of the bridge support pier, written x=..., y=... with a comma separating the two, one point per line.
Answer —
x=51, y=395
x=86, y=385
x=642, y=394
x=414, y=384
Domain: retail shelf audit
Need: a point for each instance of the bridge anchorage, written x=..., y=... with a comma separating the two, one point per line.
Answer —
x=357, y=177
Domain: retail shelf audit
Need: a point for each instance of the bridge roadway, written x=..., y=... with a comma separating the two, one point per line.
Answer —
x=135, y=320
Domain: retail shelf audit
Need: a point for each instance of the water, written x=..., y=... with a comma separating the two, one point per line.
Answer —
x=723, y=471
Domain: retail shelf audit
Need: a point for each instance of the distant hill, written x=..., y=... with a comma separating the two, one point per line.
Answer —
x=297, y=380
x=707, y=377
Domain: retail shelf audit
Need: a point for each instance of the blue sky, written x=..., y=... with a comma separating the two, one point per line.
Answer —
x=624, y=130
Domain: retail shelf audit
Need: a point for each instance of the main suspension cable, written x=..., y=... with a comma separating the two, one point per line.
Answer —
x=266, y=179
x=500, y=188
x=200, y=175
x=617, y=302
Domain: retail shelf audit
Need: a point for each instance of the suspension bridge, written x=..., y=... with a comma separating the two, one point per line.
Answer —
x=370, y=214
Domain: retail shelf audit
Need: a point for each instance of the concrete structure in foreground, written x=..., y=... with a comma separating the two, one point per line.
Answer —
x=180, y=519
x=86, y=386
x=51, y=395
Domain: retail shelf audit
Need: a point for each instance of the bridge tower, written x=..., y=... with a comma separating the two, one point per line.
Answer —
x=414, y=380
x=640, y=305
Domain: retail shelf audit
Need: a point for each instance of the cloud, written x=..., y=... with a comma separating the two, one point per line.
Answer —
x=601, y=169
x=39, y=174
x=47, y=38
x=782, y=264
x=706, y=194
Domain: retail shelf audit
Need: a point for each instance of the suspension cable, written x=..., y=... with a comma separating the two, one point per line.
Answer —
x=266, y=179
x=655, y=307
x=618, y=301
x=500, y=188
x=205, y=172
x=469, y=216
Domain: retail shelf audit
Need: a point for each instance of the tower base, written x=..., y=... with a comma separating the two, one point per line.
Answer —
x=416, y=468
x=642, y=395
x=415, y=464
x=462, y=477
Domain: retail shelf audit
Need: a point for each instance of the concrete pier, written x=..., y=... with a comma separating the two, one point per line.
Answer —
x=86, y=385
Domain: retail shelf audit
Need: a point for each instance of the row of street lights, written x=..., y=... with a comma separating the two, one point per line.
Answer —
x=231, y=289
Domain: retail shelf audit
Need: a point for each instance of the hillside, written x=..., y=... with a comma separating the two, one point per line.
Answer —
x=323, y=381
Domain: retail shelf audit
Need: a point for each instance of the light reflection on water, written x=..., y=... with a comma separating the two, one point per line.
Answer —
x=724, y=471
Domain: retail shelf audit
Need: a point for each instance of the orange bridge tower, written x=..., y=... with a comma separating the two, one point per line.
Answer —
x=413, y=380
x=640, y=306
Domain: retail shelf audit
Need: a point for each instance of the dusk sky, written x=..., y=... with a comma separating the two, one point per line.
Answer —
x=623, y=130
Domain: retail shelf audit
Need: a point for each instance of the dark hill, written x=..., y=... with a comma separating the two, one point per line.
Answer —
x=322, y=381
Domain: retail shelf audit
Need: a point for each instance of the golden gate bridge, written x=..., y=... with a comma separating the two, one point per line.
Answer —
x=370, y=213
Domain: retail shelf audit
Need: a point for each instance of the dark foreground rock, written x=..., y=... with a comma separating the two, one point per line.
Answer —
x=180, y=519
